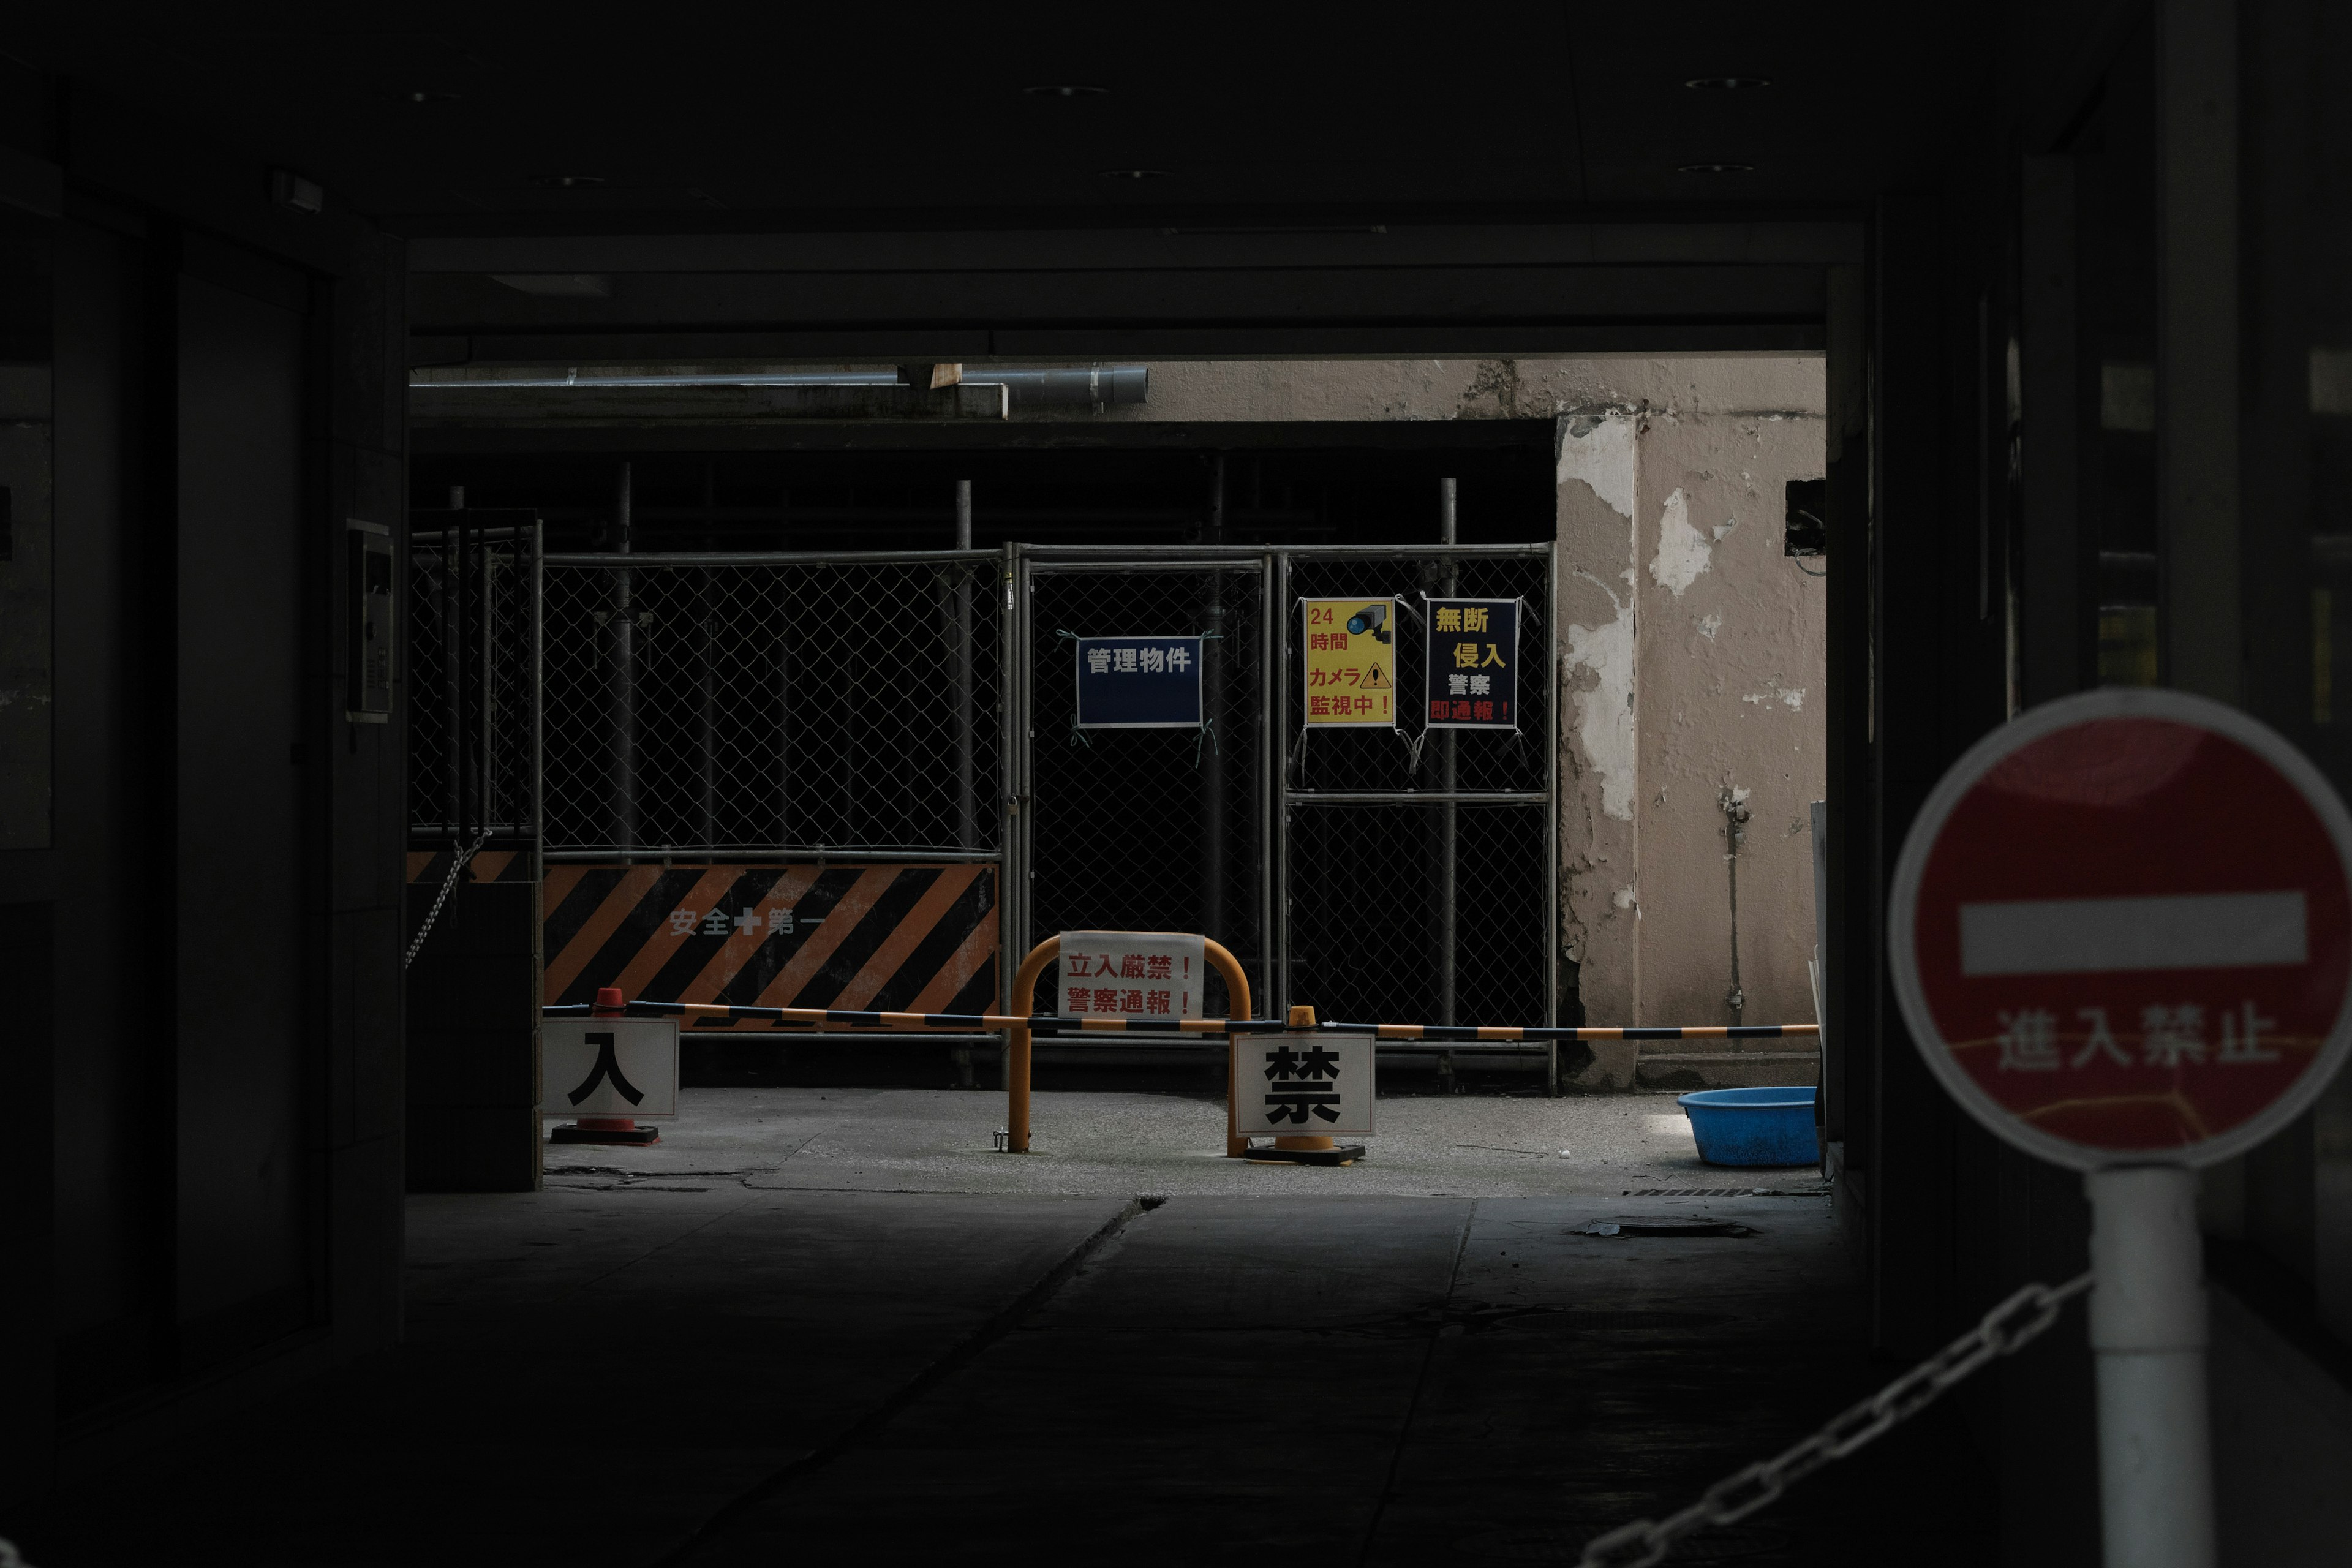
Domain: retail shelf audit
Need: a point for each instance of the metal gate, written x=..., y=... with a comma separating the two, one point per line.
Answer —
x=756, y=727
x=1373, y=874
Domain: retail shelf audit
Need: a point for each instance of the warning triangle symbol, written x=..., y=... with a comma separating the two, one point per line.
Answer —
x=1374, y=680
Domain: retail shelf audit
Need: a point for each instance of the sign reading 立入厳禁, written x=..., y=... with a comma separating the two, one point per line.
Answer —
x=1139, y=683
x=1143, y=976
x=1473, y=668
x=2121, y=931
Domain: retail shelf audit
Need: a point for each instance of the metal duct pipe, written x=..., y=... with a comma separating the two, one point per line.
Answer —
x=1061, y=386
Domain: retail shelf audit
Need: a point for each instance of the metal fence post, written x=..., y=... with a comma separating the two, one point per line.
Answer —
x=1273, y=864
x=1448, y=822
x=1552, y=817
x=538, y=804
x=1212, y=711
x=1013, y=769
x=453, y=728
x=706, y=711
x=625, y=678
x=967, y=823
x=485, y=685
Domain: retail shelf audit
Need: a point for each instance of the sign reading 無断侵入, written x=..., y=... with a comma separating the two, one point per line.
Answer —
x=1139, y=683
x=608, y=1066
x=1142, y=975
x=2121, y=931
x=1350, y=661
x=1472, y=664
x=1303, y=1084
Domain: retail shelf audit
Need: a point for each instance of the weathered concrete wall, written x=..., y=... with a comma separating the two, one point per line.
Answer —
x=1692, y=650
x=1731, y=657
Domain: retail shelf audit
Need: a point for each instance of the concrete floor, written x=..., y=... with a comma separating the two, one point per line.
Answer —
x=887, y=1140
x=868, y=1337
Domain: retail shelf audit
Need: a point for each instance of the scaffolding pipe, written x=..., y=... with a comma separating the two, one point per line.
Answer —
x=959, y=637
x=624, y=677
x=1448, y=818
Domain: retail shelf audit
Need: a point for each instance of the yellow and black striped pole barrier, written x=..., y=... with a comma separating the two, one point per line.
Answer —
x=1020, y=1030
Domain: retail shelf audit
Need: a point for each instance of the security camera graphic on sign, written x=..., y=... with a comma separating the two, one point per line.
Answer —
x=1371, y=618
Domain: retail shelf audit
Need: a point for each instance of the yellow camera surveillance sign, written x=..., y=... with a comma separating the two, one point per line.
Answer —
x=1350, y=661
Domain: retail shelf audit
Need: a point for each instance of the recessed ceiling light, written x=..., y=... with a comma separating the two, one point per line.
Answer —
x=430, y=95
x=1065, y=89
x=1726, y=83
x=1717, y=169
x=1134, y=173
x=567, y=182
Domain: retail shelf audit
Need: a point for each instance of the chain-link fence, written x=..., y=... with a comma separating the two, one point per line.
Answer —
x=473, y=682
x=723, y=705
x=1419, y=864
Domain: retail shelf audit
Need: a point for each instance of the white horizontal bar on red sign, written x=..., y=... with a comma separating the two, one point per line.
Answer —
x=2187, y=931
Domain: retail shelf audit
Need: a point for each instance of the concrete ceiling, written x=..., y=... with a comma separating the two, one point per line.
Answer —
x=717, y=115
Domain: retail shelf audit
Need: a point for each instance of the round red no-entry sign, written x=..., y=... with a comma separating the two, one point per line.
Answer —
x=2121, y=931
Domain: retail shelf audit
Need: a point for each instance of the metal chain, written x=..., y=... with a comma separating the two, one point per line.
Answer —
x=448, y=882
x=2006, y=1330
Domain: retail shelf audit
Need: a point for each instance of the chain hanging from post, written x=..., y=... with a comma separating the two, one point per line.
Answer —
x=2006, y=1330
x=457, y=866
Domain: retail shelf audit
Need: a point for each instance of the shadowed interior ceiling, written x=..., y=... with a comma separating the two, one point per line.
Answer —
x=707, y=115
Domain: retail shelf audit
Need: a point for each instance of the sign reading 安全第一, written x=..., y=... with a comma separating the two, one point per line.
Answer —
x=1303, y=1085
x=1473, y=680
x=1143, y=976
x=1139, y=683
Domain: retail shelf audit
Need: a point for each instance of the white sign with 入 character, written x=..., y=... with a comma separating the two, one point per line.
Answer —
x=608, y=1066
x=1303, y=1084
x=1143, y=976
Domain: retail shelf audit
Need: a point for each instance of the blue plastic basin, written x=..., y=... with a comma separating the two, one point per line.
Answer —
x=1753, y=1126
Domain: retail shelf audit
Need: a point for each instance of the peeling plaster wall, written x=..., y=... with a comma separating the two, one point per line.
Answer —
x=1693, y=651
x=1731, y=655
x=1599, y=492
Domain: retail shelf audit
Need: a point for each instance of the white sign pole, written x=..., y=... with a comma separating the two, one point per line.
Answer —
x=2147, y=1334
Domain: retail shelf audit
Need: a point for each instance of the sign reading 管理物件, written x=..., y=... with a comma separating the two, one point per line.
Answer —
x=1139, y=683
x=1303, y=1084
x=1472, y=681
x=1349, y=662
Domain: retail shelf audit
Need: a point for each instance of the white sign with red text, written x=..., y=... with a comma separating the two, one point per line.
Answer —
x=1143, y=976
x=2121, y=931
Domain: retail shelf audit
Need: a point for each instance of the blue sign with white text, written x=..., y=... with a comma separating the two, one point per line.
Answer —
x=1139, y=683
